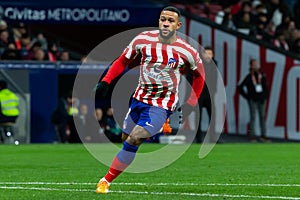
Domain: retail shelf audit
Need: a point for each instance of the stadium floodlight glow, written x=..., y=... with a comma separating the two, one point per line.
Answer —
x=8, y=134
x=109, y=50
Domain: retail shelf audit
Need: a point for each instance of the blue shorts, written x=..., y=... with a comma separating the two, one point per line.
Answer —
x=149, y=117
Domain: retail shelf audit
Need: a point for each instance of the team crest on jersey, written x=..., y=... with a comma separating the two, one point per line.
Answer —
x=172, y=63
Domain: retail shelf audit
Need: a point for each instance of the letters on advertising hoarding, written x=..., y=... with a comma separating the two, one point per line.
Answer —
x=89, y=15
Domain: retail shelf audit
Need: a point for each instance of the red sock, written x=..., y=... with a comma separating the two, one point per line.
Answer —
x=121, y=161
x=115, y=169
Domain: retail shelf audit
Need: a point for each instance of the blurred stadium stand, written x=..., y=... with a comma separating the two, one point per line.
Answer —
x=78, y=26
x=75, y=26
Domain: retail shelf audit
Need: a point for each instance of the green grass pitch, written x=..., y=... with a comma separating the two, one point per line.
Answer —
x=230, y=171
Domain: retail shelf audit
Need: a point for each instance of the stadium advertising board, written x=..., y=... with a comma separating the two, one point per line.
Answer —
x=282, y=72
x=70, y=15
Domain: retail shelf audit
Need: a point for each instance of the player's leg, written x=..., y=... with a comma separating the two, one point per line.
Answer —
x=149, y=123
x=145, y=127
x=113, y=172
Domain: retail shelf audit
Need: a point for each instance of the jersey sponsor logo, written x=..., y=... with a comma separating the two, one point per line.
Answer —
x=157, y=76
x=156, y=70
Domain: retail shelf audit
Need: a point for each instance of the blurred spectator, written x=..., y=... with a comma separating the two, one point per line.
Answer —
x=224, y=17
x=286, y=23
x=86, y=127
x=62, y=117
x=53, y=53
x=112, y=129
x=83, y=120
x=9, y=101
x=290, y=32
x=3, y=25
x=25, y=46
x=279, y=40
x=11, y=53
x=276, y=9
x=17, y=32
x=3, y=41
x=9, y=112
x=41, y=39
x=244, y=24
x=296, y=47
x=32, y=50
x=271, y=6
x=83, y=113
x=39, y=55
x=254, y=89
x=294, y=35
x=207, y=97
x=258, y=10
x=270, y=29
x=261, y=18
x=297, y=13
x=64, y=56
x=96, y=134
x=260, y=32
x=99, y=118
x=243, y=20
x=245, y=8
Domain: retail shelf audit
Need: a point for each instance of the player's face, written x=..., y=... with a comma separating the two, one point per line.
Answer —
x=168, y=24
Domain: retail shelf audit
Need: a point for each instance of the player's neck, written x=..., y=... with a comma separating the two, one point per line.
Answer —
x=167, y=40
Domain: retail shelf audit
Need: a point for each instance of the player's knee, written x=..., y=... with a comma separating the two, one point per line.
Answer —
x=137, y=136
x=134, y=140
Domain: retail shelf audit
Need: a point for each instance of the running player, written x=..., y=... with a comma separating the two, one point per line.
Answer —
x=163, y=57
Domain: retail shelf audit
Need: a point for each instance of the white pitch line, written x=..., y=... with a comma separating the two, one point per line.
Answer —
x=210, y=195
x=43, y=189
x=152, y=193
x=158, y=184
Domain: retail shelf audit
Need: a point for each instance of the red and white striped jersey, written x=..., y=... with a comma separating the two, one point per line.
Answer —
x=160, y=67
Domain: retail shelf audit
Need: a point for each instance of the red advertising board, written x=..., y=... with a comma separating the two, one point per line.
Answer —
x=282, y=72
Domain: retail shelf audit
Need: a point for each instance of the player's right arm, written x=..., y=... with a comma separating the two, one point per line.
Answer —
x=117, y=68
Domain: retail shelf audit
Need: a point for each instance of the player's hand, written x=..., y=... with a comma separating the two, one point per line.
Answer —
x=186, y=110
x=101, y=89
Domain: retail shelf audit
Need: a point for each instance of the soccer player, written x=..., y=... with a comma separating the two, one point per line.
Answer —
x=163, y=57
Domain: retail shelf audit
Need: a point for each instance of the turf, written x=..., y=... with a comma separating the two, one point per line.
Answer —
x=230, y=171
